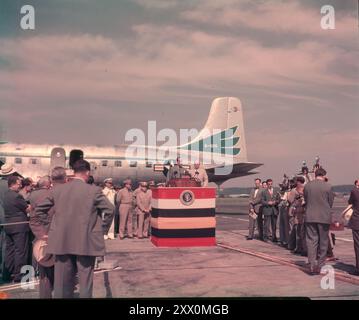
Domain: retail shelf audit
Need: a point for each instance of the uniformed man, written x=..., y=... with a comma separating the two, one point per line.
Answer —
x=125, y=200
x=143, y=209
x=151, y=184
x=110, y=194
x=176, y=171
x=134, y=202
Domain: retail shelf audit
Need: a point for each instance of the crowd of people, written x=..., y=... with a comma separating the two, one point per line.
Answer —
x=68, y=220
x=96, y=213
x=303, y=207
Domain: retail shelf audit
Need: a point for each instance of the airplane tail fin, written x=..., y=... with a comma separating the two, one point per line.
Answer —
x=223, y=133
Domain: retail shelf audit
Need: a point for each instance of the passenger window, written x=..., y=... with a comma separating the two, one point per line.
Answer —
x=33, y=161
x=118, y=163
x=18, y=160
x=148, y=164
x=133, y=164
x=104, y=163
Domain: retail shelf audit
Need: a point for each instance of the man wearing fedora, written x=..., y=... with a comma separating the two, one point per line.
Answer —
x=82, y=216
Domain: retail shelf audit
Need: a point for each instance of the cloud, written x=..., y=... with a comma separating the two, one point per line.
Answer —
x=174, y=69
x=157, y=4
x=85, y=67
x=270, y=16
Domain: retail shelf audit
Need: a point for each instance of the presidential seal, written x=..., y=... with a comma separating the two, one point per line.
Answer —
x=187, y=197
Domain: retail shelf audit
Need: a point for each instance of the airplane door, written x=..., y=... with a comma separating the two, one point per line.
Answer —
x=58, y=158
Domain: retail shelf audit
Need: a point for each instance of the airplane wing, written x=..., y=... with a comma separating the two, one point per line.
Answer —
x=238, y=170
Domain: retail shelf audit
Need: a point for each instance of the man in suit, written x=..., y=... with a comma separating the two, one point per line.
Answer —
x=82, y=216
x=40, y=225
x=255, y=214
x=270, y=200
x=199, y=174
x=17, y=235
x=6, y=171
x=318, y=198
x=354, y=221
x=176, y=171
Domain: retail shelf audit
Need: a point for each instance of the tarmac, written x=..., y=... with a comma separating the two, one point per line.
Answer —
x=235, y=267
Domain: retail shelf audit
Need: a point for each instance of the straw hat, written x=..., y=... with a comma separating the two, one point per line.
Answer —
x=7, y=169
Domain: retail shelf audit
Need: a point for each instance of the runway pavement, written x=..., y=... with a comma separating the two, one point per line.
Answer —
x=234, y=268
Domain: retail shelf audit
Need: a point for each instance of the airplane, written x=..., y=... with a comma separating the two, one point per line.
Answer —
x=221, y=138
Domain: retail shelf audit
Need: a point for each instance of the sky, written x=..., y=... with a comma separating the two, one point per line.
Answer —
x=92, y=70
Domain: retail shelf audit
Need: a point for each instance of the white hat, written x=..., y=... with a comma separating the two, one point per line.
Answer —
x=108, y=180
x=38, y=250
x=7, y=169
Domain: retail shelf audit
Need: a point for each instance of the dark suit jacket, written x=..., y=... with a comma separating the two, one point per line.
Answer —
x=15, y=211
x=3, y=190
x=319, y=197
x=255, y=201
x=77, y=226
x=39, y=224
x=266, y=197
x=354, y=201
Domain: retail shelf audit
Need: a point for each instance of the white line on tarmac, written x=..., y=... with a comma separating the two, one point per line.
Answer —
x=36, y=282
x=18, y=285
x=246, y=220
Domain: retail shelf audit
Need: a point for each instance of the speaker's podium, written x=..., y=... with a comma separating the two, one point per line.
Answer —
x=183, y=215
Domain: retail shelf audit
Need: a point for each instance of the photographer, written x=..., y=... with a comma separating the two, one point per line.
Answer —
x=296, y=218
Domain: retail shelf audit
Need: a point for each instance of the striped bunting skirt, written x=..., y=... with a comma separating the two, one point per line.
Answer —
x=183, y=217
